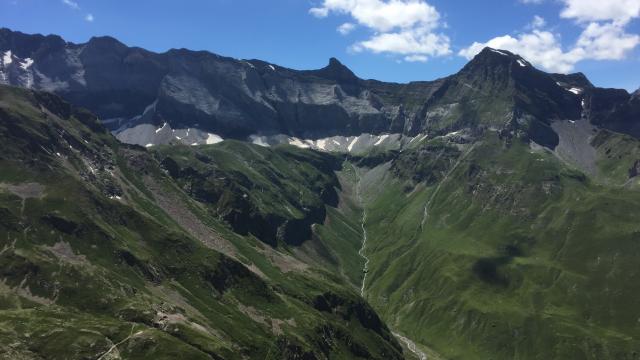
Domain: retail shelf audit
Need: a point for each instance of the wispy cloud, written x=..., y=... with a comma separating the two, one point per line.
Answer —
x=538, y=22
x=72, y=4
x=75, y=6
x=346, y=28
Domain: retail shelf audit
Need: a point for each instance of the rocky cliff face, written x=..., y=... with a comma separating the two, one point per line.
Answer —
x=189, y=96
x=233, y=98
x=614, y=109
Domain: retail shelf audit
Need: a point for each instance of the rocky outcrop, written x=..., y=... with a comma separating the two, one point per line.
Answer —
x=613, y=109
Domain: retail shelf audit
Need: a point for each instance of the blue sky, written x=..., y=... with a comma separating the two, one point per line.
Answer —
x=391, y=40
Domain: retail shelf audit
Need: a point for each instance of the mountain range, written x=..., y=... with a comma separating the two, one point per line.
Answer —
x=151, y=98
x=190, y=205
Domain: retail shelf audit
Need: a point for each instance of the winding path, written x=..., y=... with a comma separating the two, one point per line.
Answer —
x=114, y=346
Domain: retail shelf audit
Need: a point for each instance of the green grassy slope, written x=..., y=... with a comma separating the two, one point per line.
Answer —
x=103, y=255
x=479, y=248
x=517, y=257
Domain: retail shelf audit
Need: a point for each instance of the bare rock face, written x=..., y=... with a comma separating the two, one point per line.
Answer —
x=230, y=98
x=614, y=109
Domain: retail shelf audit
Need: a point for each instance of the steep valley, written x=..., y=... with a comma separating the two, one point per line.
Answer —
x=218, y=208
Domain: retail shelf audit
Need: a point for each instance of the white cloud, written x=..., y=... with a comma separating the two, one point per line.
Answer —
x=607, y=41
x=420, y=43
x=346, y=28
x=72, y=4
x=620, y=11
x=537, y=22
x=416, y=58
x=89, y=18
x=319, y=12
x=541, y=48
x=603, y=37
x=399, y=27
x=383, y=15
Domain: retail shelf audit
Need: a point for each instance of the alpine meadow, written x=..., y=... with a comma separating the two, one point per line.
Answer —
x=179, y=204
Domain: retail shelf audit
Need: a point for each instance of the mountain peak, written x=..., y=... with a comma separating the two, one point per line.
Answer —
x=106, y=41
x=495, y=58
x=496, y=55
x=491, y=51
x=335, y=62
x=337, y=71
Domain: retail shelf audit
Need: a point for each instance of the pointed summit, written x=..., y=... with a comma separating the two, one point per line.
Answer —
x=488, y=51
x=494, y=58
x=337, y=71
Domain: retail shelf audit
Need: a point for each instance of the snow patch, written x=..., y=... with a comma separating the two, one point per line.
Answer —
x=353, y=142
x=160, y=128
x=272, y=68
x=322, y=144
x=499, y=52
x=575, y=90
x=522, y=63
x=298, y=143
x=148, y=145
x=382, y=138
x=26, y=64
x=213, y=139
x=194, y=144
x=7, y=58
x=258, y=140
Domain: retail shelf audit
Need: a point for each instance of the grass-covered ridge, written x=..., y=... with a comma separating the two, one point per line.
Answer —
x=510, y=255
